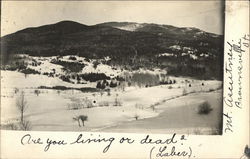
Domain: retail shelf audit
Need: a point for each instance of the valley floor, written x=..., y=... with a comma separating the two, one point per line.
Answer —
x=179, y=116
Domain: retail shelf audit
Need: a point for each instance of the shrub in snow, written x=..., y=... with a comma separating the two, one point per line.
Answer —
x=136, y=116
x=101, y=93
x=88, y=103
x=204, y=108
x=170, y=87
x=81, y=103
x=104, y=103
x=10, y=126
x=129, y=84
x=138, y=106
x=95, y=64
x=76, y=104
x=108, y=93
x=170, y=82
x=54, y=71
x=72, y=58
x=37, y=92
x=211, y=89
x=16, y=90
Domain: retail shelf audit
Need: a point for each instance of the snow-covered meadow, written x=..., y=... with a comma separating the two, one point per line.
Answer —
x=158, y=109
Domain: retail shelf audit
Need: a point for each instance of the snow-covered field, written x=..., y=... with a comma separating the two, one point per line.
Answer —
x=179, y=115
x=50, y=109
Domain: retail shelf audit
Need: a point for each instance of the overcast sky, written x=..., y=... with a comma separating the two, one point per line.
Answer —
x=206, y=15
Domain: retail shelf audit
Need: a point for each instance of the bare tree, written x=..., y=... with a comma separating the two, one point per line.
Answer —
x=81, y=118
x=25, y=125
x=117, y=101
x=152, y=107
x=21, y=104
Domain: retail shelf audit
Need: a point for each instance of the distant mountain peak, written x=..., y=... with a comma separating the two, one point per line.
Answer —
x=156, y=28
x=66, y=26
x=67, y=22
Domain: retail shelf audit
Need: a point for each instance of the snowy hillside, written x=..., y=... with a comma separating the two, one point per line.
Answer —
x=114, y=77
x=60, y=106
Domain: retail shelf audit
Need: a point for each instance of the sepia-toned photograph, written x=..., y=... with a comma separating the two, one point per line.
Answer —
x=114, y=66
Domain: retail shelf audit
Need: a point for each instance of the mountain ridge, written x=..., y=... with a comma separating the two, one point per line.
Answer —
x=112, y=24
x=138, y=48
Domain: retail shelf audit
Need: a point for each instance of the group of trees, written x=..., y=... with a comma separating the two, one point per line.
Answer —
x=69, y=66
x=72, y=58
x=91, y=77
x=167, y=81
x=136, y=79
x=144, y=79
x=29, y=71
x=104, y=83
